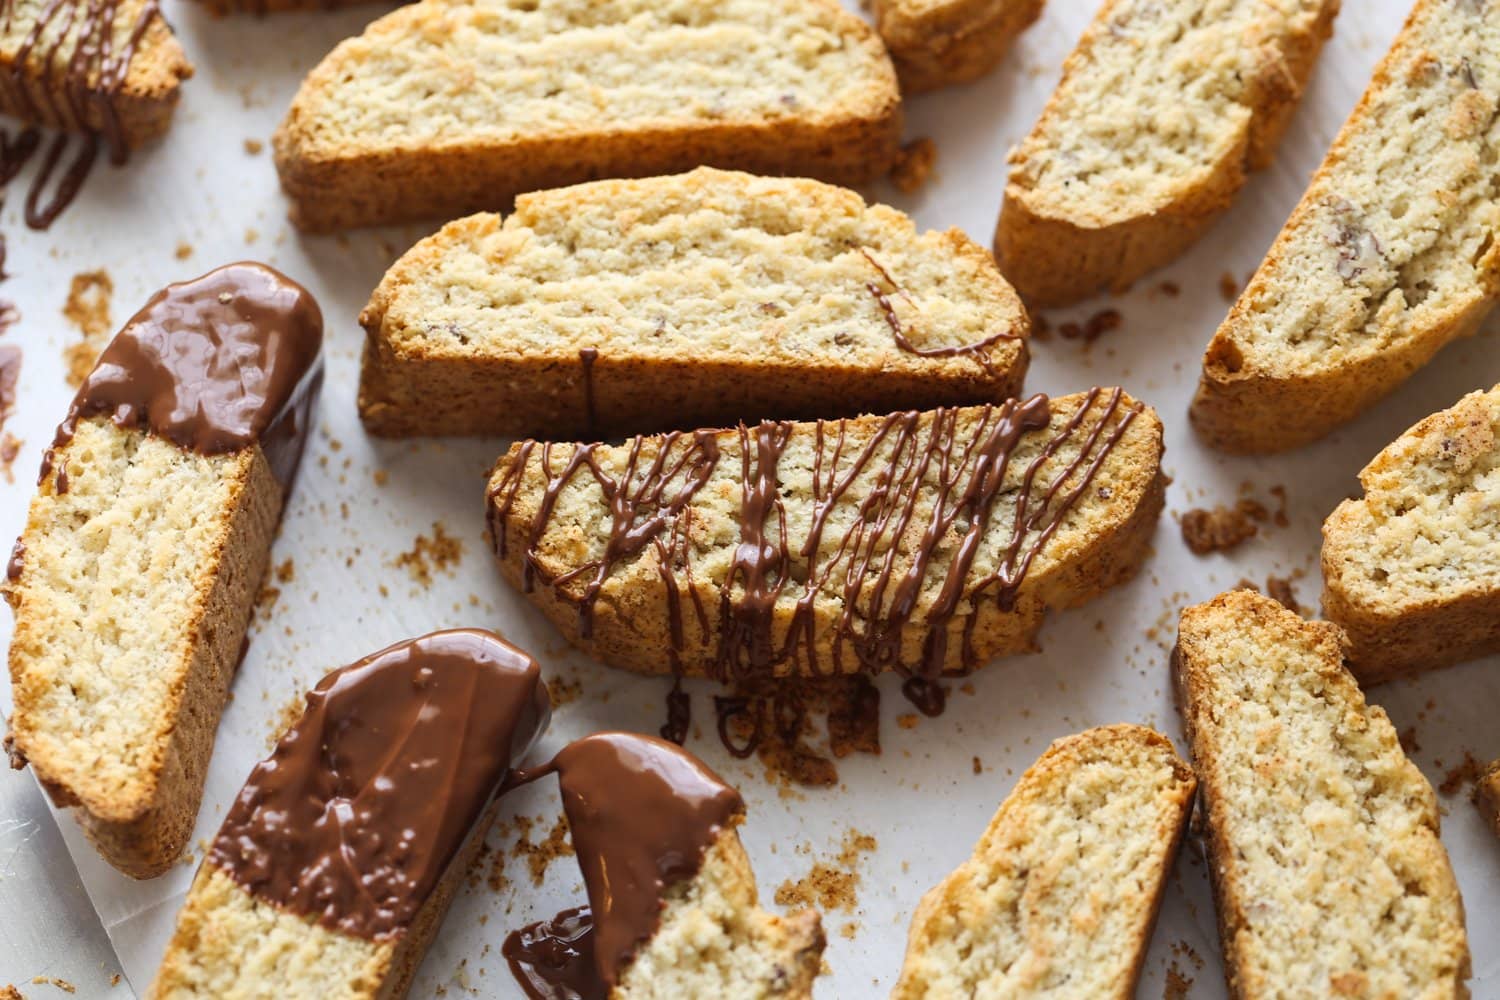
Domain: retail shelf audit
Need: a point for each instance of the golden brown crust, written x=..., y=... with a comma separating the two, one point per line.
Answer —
x=631, y=620
x=413, y=381
x=141, y=823
x=956, y=42
x=338, y=186
x=1487, y=796
x=1055, y=256
x=1296, y=771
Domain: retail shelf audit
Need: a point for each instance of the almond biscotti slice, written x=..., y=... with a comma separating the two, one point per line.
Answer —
x=1323, y=850
x=673, y=908
x=629, y=306
x=336, y=862
x=923, y=542
x=1411, y=570
x=1061, y=894
x=935, y=43
x=107, y=66
x=144, y=549
x=1393, y=252
x=1163, y=109
x=453, y=106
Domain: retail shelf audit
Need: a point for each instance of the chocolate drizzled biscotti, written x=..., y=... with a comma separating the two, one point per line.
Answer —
x=673, y=909
x=1393, y=252
x=1328, y=874
x=935, y=43
x=391, y=126
x=339, y=857
x=1162, y=110
x=1061, y=894
x=1411, y=570
x=922, y=542
x=107, y=66
x=687, y=301
x=144, y=550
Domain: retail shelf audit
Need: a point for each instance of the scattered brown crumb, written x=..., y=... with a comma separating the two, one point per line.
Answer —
x=564, y=692
x=853, y=716
x=10, y=447
x=1466, y=773
x=1280, y=589
x=114, y=980
x=1229, y=287
x=286, y=572
x=87, y=308
x=61, y=984
x=914, y=165
x=1408, y=738
x=251, y=234
x=908, y=720
x=1279, y=492
x=286, y=718
x=1096, y=326
x=978, y=766
x=9, y=992
x=1041, y=327
x=184, y=251
x=850, y=930
x=1220, y=529
x=1177, y=986
x=265, y=601
x=440, y=552
x=540, y=855
x=1170, y=289
x=254, y=146
x=830, y=886
x=381, y=477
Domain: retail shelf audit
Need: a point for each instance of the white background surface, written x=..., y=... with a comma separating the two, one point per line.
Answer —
x=920, y=799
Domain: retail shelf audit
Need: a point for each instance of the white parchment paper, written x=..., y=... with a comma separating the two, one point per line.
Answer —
x=201, y=198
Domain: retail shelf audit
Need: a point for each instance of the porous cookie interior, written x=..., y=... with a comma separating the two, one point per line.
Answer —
x=556, y=66
x=707, y=264
x=1397, y=234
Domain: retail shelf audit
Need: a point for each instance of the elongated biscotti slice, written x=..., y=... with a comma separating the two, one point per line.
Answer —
x=1061, y=894
x=1393, y=252
x=144, y=550
x=1163, y=109
x=1411, y=570
x=339, y=857
x=935, y=44
x=1487, y=796
x=673, y=908
x=631, y=306
x=923, y=542
x=107, y=66
x=392, y=125
x=1323, y=850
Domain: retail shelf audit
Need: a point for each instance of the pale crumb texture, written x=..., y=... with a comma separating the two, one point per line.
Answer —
x=1099, y=542
x=1163, y=109
x=144, y=101
x=1061, y=894
x=135, y=591
x=1391, y=254
x=714, y=940
x=1411, y=570
x=393, y=125
x=230, y=945
x=1328, y=874
x=705, y=297
x=1487, y=796
x=936, y=43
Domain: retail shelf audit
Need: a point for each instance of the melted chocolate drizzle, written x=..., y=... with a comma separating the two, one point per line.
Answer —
x=586, y=358
x=365, y=802
x=979, y=350
x=962, y=471
x=642, y=814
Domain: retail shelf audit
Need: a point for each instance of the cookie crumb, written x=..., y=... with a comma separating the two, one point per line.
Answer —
x=1177, y=985
x=381, y=477
x=829, y=887
x=440, y=552
x=1220, y=529
x=978, y=766
x=1170, y=289
x=1229, y=287
x=183, y=251
x=1467, y=772
x=1280, y=590
x=914, y=165
x=9, y=992
x=87, y=308
x=1096, y=326
x=61, y=984
x=254, y=146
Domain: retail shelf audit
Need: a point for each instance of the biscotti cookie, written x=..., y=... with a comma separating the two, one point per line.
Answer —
x=922, y=542
x=1062, y=891
x=390, y=127
x=339, y=857
x=1487, y=796
x=687, y=301
x=1323, y=851
x=144, y=550
x=673, y=909
x=107, y=66
x=1411, y=570
x=1393, y=252
x=934, y=44
x=1162, y=110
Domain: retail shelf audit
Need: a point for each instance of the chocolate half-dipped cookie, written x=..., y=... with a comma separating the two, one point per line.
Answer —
x=672, y=903
x=145, y=547
x=339, y=857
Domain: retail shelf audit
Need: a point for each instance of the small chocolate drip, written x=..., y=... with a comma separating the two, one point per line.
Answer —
x=679, y=714
x=586, y=357
x=17, y=561
x=554, y=959
x=927, y=695
x=978, y=350
x=642, y=814
x=41, y=215
x=364, y=803
x=214, y=365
